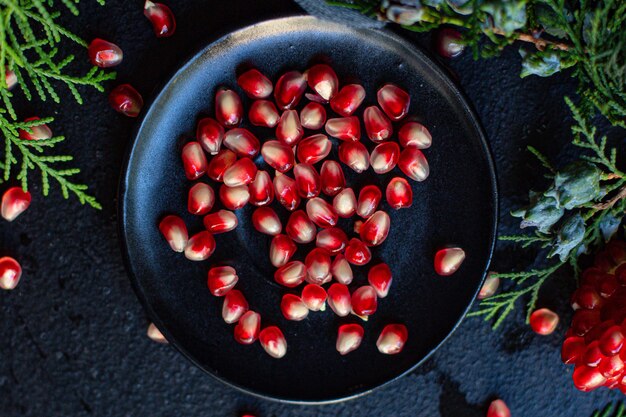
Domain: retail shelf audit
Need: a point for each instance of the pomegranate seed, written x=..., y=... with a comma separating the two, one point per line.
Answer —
x=392, y=339
x=289, y=130
x=286, y=192
x=255, y=84
x=126, y=100
x=344, y=203
x=289, y=90
x=282, y=249
x=318, y=266
x=248, y=327
x=175, y=232
x=155, y=334
x=323, y=80
x=291, y=274
x=161, y=17
x=348, y=100
x=321, y=213
x=10, y=273
x=265, y=220
x=379, y=277
x=10, y=78
x=277, y=155
x=399, y=193
x=414, y=164
x=377, y=125
x=220, y=222
x=313, y=149
x=104, y=54
x=263, y=113
x=608, y=286
x=14, y=202
x=339, y=299
x=242, y=142
x=587, y=297
x=242, y=172
x=220, y=163
x=448, y=260
x=221, y=279
x=194, y=161
x=307, y=180
x=313, y=116
x=544, y=321
x=293, y=308
x=593, y=355
x=300, y=228
x=573, y=348
x=210, y=135
x=394, y=101
x=587, y=379
x=449, y=42
x=584, y=320
x=316, y=98
x=375, y=229
x=40, y=131
x=261, y=189
x=234, y=198
x=490, y=286
x=201, y=199
x=344, y=128
x=364, y=301
x=357, y=253
x=341, y=270
x=314, y=296
x=273, y=342
x=349, y=337
x=235, y=305
x=333, y=240
x=612, y=341
x=384, y=157
x=200, y=246
x=333, y=180
x=354, y=154
x=611, y=367
x=498, y=408
x=369, y=198
x=414, y=134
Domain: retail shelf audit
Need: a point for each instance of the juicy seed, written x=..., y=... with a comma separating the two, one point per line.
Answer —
x=210, y=135
x=490, y=286
x=348, y=100
x=242, y=142
x=11, y=79
x=380, y=278
x=265, y=220
x=278, y=155
x=126, y=100
x=235, y=305
x=344, y=128
x=416, y=135
x=104, y=54
x=573, y=349
x=307, y=180
x=369, y=198
x=323, y=80
x=175, y=232
x=333, y=240
x=357, y=253
x=339, y=299
x=316, y=98
x=344, y=203
x=349, y=338
x=194, y=161
x=263, y=113
x=261, y=189
x=377, y=125
x=448, y=260
x=364, y=301
x=375, y=229
x=201, y=199
x=289, y=90
x=234, y=198
x=498, y=408
x=289, y=130
x=612, y=341
x=544, y=321
x=255, y=84
x=314, y=296
x=282, y=249
x=392, y=339
x=220, y=222
x=341, y=270
x=293, y=308
x=333, y=180
x=10, y=273
x=200, y=246
x=228, y=107
x=318, y=264
x=38, y=132
x=354, y=154
x=588, y=378
x=155, y=334
x=414, y=164
x=384, y=157
x=220, y=163
x=221, y=279
x=399, y=193
x=449, y=42
x=161, y=17
x=313, y=116
x=321, y=213
x=242, y=172
x=248, y=327
x=394, y=101
x=291, y=274
x=14, y=202
x=300, y=228
x=287, y=192
x=273, y=342
x=313, y=149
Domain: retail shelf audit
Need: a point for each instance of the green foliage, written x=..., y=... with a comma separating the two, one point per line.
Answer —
x=611, y=410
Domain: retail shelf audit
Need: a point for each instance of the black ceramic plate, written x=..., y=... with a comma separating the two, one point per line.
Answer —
x=456, y=204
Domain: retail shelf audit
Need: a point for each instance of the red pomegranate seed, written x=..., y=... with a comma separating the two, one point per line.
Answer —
x=357, y=253
x=104, y=54
x=348, y=100
x=10, y=273
x=282, y=249
x=399, y=193
x=448, y=260
x=364, y=301
x=597, y=331
x=261, y=189
x=498, y=408
x=344, y=203
x=289, y=90
x=414, y=164
x=379, y=277
x=300, y=228
x=349, y=337
x=490, y=286
x=323, y=80
x=375, y=229
x=377, y=125
x=242, y=142
x=313, y=149
x=287, y=192
x=394, y=101
x=333, y=240
x=201, y=199
x=155, y=334
x=333, y=180
x=414, y=134
x=220, y=163
x=384, y=157
x=587, y=297
x=611, y=367
x=339, y=299
x=14, y=202
x=293, y=308
x=313, y=116
x=126, y=100
x=278, y=155
x=220, y=222
x=221, y=279
x=255, y=84
x=10, y=78
x=273, y=342
x=291, y=274
x=316, y=98
x=341, y=270
x=161, y=17
x=544, y=321
x=321, y=213
x=200, y=246
x=584, y=320
x=289, y=130
x=587, y=378
x=248, y=327
x=608, y=286
x=369, y=198
x=263, y=113
x=449, y=42
x=318, y=264
x=194, y=161
x=175, y=232
x=354, y=154
x=210, y=135
x=392, y=339
x=314, y=296
x=612, y=341
x=307, y=180
x=234, y=198
x=573, y=349
x=228, y=107
x=265, y=220
x=242, y=172
x=235, y=305
x=37, y=132
x=344, y=128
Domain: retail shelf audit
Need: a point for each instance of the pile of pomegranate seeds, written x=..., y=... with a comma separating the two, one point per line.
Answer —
x=291, y=165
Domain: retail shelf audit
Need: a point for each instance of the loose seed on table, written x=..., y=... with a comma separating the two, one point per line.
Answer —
x=544, y=321
x=349, y=338
x=221, y=279
x=273, y=342
x=200, y=246
x=248, y=327
x=104, y=54
x=126, y=100
x=399, y=193
x=498, y=408
x=174, y=231
x=161, y=17
x=14, y=202
x=392, y=339
x=155, y=334
x=293, y=308
x=448, y=260
x=235, y=305
x=10, y=273
x=490, y=286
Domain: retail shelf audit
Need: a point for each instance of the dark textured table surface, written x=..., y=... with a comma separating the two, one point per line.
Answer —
x=72, y=335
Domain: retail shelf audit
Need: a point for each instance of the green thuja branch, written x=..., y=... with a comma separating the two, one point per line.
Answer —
x=611, y=410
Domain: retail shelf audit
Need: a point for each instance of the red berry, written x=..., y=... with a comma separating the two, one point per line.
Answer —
x=611, y=341
x=573, y=349
x=588, y=379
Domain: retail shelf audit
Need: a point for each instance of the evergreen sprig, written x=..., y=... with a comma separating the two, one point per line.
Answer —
x=611, y=410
